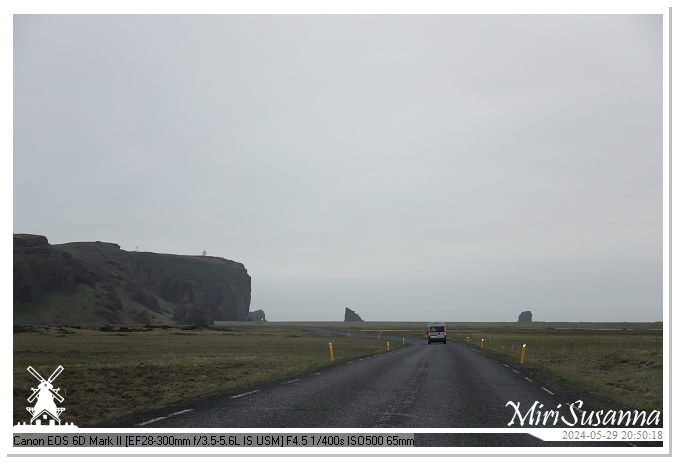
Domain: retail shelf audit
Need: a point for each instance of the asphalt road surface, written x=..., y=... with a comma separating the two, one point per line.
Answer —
x=420, y=386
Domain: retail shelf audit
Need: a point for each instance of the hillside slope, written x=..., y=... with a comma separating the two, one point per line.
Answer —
x=87, y=283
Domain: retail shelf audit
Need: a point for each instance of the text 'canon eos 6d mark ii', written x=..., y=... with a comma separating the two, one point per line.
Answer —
x=436, y=332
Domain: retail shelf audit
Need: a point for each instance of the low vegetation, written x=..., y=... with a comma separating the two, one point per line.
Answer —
x=118, y=371
x=623, y=365
x=621, y=361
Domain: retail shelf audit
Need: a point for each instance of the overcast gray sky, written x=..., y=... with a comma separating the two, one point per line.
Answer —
x=446, y=167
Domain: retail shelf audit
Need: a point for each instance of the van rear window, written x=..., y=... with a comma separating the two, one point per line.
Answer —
x=437, y=328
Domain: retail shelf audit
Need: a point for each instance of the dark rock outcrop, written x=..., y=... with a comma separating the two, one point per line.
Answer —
x=526, y=316
x=189, y=314
x=145, y=298
x=218, y=285
x=350, y=316
x=257, y=316
x=40, y=268
x=96, y=282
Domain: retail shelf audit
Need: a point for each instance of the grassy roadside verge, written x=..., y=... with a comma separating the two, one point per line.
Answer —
x=624, y=367
x=111, y=373
x=622, y=361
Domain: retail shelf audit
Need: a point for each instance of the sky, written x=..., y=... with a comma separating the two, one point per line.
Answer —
x=409, y=167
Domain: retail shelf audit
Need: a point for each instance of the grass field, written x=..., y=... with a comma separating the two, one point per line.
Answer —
x=621, y=361
x=109, y=374
x=623, y=365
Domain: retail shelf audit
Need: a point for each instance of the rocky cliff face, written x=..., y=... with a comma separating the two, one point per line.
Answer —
x=217, y=285
x=95, y=282
x=40, y=268
x=189, y=314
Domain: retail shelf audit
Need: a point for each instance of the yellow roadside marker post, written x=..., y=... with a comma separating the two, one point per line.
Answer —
x=332, y=357
x=467, y=340
x=523, y=352
x=482, y=343
x=387, y=346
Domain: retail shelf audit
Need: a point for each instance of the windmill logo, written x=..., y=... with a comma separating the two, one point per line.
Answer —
x=45, y=407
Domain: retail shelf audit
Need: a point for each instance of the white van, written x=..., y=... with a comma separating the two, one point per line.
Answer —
x=436, y=332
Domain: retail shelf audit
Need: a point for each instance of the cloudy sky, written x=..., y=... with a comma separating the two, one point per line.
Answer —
x=435, y=167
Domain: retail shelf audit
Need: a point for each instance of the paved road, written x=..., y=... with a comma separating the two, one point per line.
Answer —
x=420, y=386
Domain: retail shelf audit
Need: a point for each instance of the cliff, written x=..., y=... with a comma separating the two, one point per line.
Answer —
x=98, y=283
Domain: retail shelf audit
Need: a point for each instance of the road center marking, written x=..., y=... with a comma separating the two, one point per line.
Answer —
x=547, y=391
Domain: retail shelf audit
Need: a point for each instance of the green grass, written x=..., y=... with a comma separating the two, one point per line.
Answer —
x=623, y=365
x=110, y=374
x=607, y=358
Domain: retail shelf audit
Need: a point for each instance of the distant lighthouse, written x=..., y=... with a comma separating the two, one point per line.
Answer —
x=204, y=253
